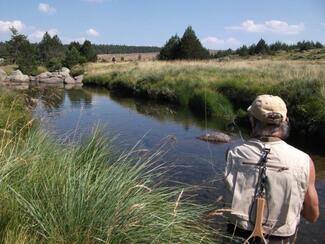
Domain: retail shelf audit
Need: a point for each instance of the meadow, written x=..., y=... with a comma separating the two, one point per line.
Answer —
x=223, y=90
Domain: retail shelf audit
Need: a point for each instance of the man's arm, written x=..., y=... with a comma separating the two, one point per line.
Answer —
x=310, y=209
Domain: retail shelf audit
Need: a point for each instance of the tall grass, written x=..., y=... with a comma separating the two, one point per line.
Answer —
x=87, y=194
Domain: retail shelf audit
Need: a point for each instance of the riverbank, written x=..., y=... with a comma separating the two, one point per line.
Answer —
x=52, y=192
x=223, y=90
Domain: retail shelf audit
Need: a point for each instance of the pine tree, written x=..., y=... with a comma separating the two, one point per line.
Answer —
x=51, y=50
x=261, y=47
x=243, y=51
x=88, y=51
x=14, y=45
x=191, y=47
x=72, y=57
x=170, y=51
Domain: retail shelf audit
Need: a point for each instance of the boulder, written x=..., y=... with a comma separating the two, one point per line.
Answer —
x=65, y=70
x=18, y=77
x=43, y=75
x=79, y=78
x=3, y=75
x=216, y=137
x=69, y=80
x=51, y=80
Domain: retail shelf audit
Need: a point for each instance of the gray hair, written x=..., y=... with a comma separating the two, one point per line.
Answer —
x=260, y=129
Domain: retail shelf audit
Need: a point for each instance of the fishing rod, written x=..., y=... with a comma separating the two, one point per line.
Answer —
x=259, y=198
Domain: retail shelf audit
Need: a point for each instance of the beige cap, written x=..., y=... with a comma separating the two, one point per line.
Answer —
x=268, y=109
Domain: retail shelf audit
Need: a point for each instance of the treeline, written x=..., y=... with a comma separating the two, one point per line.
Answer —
x=187, y=47
x=262, y=48
x=111, y=49
x=49, y=52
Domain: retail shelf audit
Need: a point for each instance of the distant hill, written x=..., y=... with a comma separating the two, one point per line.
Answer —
x=112, y=49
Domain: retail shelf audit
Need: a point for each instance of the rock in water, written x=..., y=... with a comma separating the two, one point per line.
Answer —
x=79, y=78
x=69, y=80
x=215, y=137
x=3, y=75
x=52, y=80
x=18, y=77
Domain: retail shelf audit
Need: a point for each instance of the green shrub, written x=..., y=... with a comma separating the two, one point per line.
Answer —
x=77, y=70
x=54, y=64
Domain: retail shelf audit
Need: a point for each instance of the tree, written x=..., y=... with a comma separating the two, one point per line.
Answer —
x=261, y=47
x=14, y=45
x=88, y=51
x=72, y=57
x=76, y=45
x=243, y=51
x=170, y=50
x=318, y=45
x=51, y=50
x=22, y=52
x=27, y=58
x=191, y=47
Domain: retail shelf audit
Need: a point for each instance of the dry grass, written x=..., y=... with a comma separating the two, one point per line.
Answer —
x=263, y=70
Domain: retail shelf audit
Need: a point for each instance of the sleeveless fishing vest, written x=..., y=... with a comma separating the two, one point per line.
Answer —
x=287, y=171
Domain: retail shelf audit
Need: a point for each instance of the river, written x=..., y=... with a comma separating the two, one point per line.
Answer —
x=71, y=114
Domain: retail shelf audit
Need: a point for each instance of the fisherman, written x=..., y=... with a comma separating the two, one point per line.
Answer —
x=288, y=181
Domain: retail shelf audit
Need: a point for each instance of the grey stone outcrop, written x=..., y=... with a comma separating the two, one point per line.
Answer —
x=18, y=77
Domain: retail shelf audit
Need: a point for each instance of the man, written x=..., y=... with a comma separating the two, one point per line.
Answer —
x=289, y=185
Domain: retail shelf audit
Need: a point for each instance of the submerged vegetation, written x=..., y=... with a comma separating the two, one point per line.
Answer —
x=223, y=90
x=87, y=192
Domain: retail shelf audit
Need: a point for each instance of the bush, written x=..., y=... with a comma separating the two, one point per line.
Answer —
x=54, y=64
x=77, y=70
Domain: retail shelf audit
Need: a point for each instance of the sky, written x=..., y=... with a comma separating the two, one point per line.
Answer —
x=218, y=24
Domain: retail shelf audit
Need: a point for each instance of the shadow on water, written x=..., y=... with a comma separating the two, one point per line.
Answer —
x=193, y=162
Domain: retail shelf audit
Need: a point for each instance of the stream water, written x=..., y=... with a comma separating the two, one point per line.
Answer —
x=73, y=113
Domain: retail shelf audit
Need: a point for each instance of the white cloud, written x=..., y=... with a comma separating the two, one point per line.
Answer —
x=92, y=32
x=274, y=26
x=6, y=25
x=38, y=34
x=212, y=42
x=46, y=8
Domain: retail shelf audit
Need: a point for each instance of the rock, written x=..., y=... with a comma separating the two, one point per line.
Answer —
x=18, y=77
x=216, y=137
x=65, y=70
x=79, y=78
x=43, y=75
x=52, y=80
x=3, y=75
x=69, y=80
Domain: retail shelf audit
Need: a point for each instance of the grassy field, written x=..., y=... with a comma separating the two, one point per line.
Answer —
x=88, y=192
x=223, y=90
